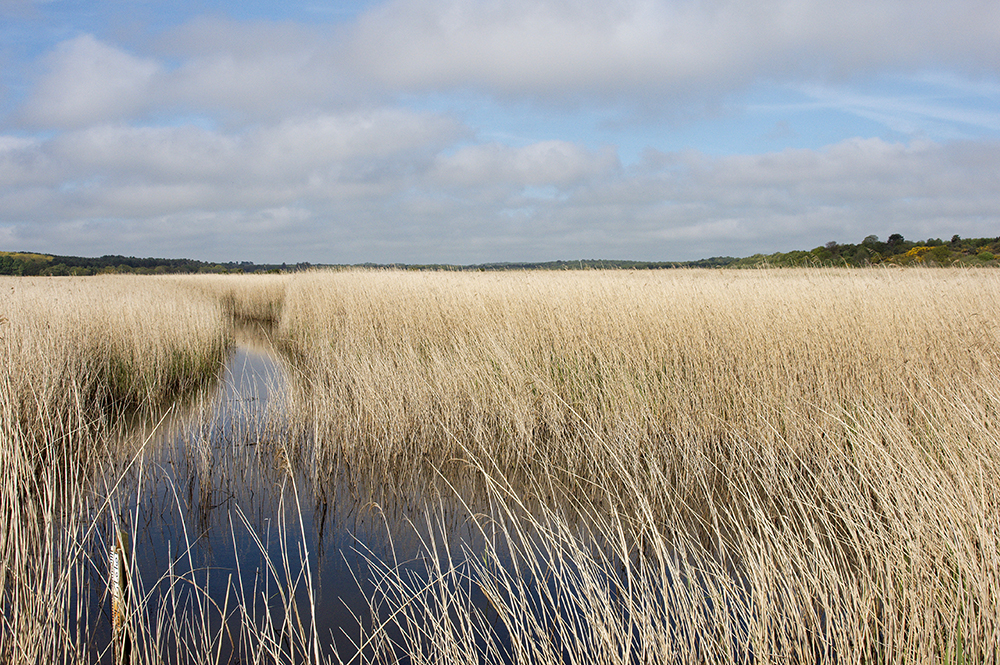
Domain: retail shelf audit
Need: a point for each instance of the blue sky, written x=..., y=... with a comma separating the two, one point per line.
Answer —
x=466, y=131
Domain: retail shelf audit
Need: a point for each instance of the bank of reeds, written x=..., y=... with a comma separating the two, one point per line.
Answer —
x=78, y=357
x=247, y=299
x=680, y=466
x=806, y=461
x=681, y=364
x=102, y=345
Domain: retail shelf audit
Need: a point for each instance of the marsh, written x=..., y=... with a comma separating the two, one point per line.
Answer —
x=673, y=466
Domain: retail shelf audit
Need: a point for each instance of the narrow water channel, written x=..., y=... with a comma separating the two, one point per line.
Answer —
x=241, y=546
x=228, y=522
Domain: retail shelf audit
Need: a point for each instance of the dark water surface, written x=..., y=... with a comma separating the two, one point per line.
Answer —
x=246, y=538
x=227, y=516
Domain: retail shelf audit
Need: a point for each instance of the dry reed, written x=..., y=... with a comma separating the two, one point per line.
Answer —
x=815, y=449
x=77, y=356
x=681, y=466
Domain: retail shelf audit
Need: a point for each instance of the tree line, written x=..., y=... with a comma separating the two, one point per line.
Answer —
x=32, y=264
x=894, y=250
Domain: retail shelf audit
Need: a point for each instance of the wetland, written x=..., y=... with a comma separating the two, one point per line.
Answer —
x=609, y=467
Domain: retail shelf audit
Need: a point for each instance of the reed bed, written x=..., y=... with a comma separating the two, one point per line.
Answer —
x=102, y=345
x=78, y=359
x=246, y=299
x=806, y=460
x=676, y=466
x=574, y=366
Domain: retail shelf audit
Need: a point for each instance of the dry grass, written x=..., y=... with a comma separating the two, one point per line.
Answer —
x=110, y=342
x=247, y=299
x=551, y=364
x=815, y=448
x=77, y=356
x=681, y=466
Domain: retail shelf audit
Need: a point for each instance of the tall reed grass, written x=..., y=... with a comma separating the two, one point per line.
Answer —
x=677, y=466
x=77, y=357
x=791, y=464
x=552, y=364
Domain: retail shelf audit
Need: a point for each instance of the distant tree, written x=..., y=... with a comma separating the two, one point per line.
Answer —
x=876, y=247
x=940, y=254
x=822, y=253
x=895, y=242
x=33, y=267
x=9, y=265
x=58, y=270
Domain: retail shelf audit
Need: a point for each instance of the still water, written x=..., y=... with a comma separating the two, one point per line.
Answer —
x=229, y=522
x=249, y=544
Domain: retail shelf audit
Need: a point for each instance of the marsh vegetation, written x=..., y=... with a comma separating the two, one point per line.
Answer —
x=611, y=467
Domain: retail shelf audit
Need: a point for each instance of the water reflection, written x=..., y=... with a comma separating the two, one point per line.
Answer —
x=226, y=508
x=246, y=535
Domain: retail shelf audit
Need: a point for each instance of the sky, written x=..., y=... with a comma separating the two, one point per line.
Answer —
x=473, y=131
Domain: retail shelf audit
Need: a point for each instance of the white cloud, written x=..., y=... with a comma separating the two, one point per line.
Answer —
x=338, y=198
x=855, y=173
x=255, y=69
x=317, y=140
x=117, y=171
x=645, y=49
x=290, y=151
x=24, y=163
x=224, y=135
x=236, y=70
x=547, y=163
x=657, y=54
x=89, y=81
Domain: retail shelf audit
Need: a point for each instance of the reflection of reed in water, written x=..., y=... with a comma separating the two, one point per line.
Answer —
x=119, y=589
x=240, y=471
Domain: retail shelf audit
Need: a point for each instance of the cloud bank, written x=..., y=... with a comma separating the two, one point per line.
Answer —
x=343, y=142
x=642, y=49
x=390, y=187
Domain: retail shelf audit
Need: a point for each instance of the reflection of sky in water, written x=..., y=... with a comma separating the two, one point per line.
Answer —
x=225, y=487
x=250, y=376
x=222, y=477
x=224, y=495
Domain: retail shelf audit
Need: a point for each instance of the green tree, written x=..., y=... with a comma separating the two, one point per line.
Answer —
x=9, y=265
x=940, y=254
x=58, y=270
x=33, y=267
